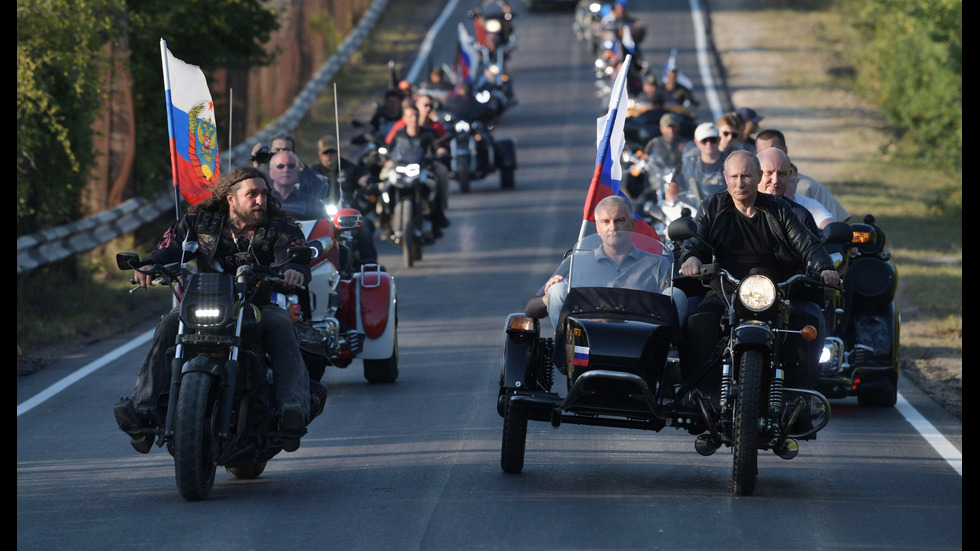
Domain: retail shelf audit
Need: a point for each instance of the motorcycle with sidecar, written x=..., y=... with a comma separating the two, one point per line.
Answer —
x=616, y=351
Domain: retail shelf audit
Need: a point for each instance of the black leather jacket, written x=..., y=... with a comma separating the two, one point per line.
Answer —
x=798, y=246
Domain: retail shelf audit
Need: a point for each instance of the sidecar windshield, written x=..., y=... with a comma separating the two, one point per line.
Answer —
x=625, y=260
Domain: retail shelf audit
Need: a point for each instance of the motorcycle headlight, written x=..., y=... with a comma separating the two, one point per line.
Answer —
x=411, y=170
x=331, y=210
x=492, y=26
x=757, y=292
x=594, y=7
x=483, y=96
x=462, y=127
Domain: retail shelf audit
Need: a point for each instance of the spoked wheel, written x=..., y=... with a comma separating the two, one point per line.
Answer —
x=745, y=446
x=383, y=371
x=195, y=445
x=247, y=472
x=404, y=217
x=515, y=439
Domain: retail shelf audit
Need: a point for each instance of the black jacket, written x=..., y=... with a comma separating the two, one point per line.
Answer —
x=798, y=246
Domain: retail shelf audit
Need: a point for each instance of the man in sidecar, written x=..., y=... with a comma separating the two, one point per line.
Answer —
x=618, y=263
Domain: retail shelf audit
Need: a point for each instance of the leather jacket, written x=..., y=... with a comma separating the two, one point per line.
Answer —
x=798, y=247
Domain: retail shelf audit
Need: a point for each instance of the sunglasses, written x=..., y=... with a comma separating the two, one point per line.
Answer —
x=726, y=133
x=281, y=166
x=709, y=140
x=425, y=105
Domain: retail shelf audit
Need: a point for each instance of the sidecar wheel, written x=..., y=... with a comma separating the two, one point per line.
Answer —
x=463, y=176
x=194, y=441
x=247, y=472
x=878, y=398
x=506, y=178
x=383, y=371
x=745, y=445
x=404, y=224
x=515, y=439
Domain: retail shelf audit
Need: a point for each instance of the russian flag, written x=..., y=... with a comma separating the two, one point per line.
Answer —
x=193, y=133
x=581, y=356
x=608, y=174
x=467, y=57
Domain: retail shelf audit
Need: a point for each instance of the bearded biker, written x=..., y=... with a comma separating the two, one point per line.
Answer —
x=240, y=224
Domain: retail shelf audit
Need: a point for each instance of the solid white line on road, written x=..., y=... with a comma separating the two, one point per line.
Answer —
x=78, y=375
x=946, y=450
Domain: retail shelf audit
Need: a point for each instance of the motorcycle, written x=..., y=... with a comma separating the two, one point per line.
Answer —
x=372, y=150
x=492, y=27
x=861, y=357
x=348, y=311
x=221, y=406
x=616, y=348
x=405, y=208
x=587, y=22
x=475, y=154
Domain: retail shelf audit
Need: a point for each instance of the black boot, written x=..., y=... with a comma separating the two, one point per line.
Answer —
x=134, y=424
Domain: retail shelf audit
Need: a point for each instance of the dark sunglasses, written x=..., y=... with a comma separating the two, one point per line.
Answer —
x=281, y=166
x=425, y=105
x=726, y=133
x=710, y=140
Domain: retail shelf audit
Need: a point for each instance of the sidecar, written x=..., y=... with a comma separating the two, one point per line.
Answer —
x=614, y=349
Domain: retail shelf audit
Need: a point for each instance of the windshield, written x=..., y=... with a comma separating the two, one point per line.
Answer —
x=623, y=260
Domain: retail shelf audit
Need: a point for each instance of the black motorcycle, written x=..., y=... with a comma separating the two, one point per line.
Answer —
x=221, y=406
x=406, y=205
x=861, y=358
x=617, y=350
x=474, y=153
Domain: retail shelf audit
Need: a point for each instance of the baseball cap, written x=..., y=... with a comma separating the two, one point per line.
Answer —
x=749, y=114
x=650, y=79
x=670, y=119
x=326, y=143
x=705, y=130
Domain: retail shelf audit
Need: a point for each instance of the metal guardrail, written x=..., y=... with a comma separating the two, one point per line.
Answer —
x=84, y=235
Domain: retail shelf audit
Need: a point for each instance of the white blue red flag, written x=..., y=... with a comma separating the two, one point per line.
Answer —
x=193, y=133
x=468, y=59
x=671, y=65
x=608, y=175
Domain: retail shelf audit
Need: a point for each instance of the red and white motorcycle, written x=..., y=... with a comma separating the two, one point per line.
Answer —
x=345, y=314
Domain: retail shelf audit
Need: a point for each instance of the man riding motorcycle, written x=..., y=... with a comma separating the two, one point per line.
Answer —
x=240, y=224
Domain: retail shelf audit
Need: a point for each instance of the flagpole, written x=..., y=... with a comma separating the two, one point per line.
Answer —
x=340, y=167
x=231, y=102
x=170, y=126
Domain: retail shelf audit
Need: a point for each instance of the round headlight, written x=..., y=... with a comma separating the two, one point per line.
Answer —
x=493, y=26
x=757, y=292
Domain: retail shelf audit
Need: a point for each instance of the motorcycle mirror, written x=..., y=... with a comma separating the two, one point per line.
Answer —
x=127, y=261
x=301, y=255
x=348, y=219
x=682, y=229
x=837, y=233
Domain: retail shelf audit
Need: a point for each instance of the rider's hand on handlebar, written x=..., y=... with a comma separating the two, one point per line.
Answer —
x=830, y=277
x=143, y=280
x=292, y=279
x=691, y=266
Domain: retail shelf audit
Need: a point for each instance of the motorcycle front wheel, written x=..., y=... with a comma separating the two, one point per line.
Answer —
x=404, y=226
x=745, y=445
x=463, y=176
x=194, y=440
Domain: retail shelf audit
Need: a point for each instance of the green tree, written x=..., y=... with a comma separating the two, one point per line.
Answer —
x=60, y=61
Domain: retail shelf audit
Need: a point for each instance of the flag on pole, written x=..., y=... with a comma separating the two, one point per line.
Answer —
x=628, y=42
x=671, y=65
x=193, y=133
x=608, y=174
x=467, y=57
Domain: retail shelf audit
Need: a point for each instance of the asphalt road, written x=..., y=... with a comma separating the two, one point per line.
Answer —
x=416, y=464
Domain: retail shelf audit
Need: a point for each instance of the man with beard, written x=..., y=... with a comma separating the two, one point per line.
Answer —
x=240, y=224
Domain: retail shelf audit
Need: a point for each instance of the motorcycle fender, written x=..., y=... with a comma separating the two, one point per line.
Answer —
x=753, y=334
x=202, y=364
x=376, y=300
x=516, y=357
